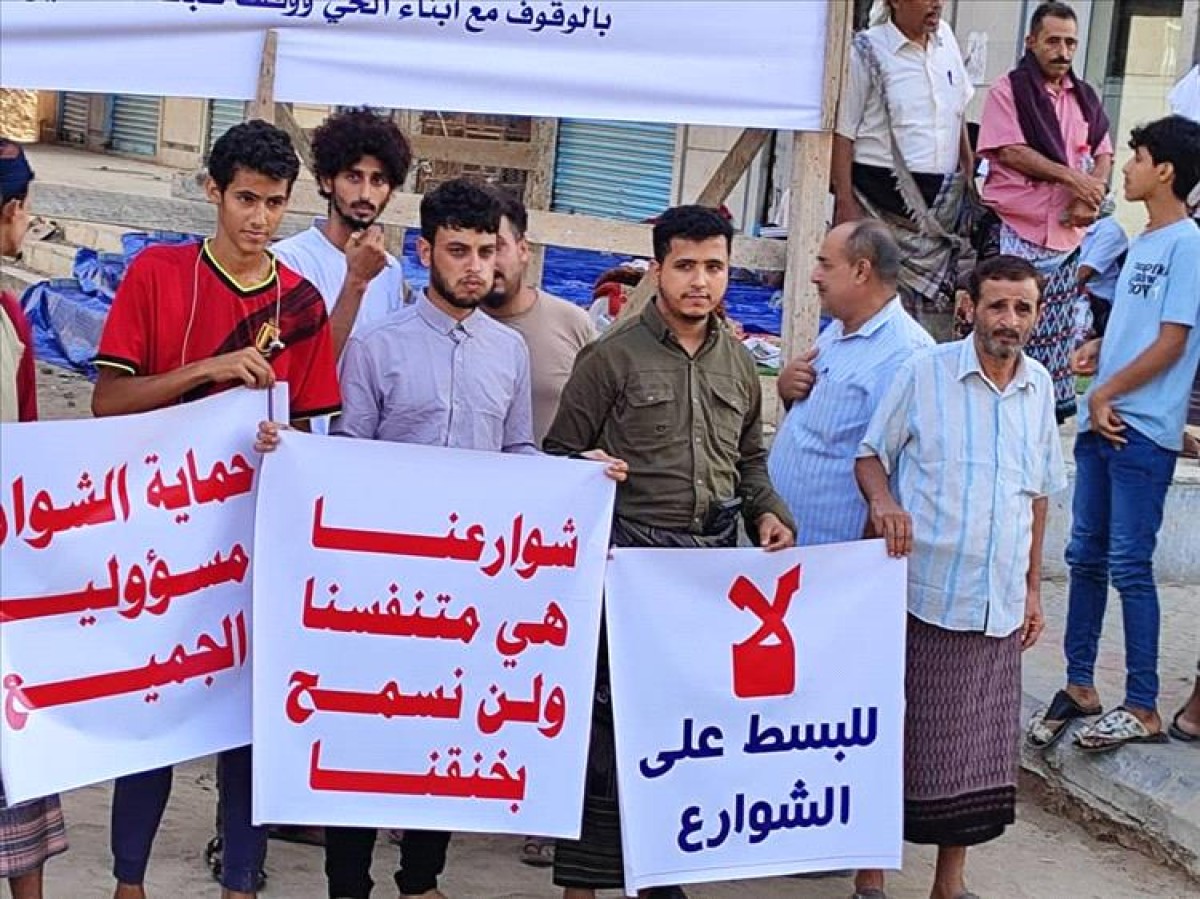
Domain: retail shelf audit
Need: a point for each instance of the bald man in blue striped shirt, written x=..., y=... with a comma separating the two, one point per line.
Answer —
x=832, y=390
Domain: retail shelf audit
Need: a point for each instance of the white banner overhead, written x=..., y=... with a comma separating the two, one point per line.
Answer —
x=759, y=709
x=749, y=63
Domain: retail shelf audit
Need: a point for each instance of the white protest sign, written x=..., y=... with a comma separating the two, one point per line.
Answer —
x=758, y=702
x=126, y=546
x=750, y=64
x=426, y=651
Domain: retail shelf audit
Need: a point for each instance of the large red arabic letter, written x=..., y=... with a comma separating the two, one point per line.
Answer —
x=761, y=668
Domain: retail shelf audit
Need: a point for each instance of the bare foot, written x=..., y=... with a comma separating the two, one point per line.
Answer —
x=1085, y=696
x=1148, y=717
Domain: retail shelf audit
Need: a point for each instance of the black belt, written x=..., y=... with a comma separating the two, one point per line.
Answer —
x=878, y=185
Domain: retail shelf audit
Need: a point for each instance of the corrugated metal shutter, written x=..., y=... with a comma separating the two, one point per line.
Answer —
x=135, y=124
x=616, y=170
x=223, y=115
x=73, y=117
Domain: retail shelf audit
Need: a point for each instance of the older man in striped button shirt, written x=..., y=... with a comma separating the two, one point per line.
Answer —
x=832, y=389
x=956, y=466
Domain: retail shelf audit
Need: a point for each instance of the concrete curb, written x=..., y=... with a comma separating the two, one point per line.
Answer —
x=1151, y=793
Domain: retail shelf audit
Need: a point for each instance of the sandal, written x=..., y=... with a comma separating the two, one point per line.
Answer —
x=1179, y=733
x=537, y=852
x=1114, y=730
x=213, y=851
x=1063, y=709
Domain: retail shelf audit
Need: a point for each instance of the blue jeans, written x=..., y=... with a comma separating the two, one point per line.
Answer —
x=1116, y=513
x=137, y=808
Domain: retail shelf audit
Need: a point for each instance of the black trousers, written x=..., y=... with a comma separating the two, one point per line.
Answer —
x=348, y=852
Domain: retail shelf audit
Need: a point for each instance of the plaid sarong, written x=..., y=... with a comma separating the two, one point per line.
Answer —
x=929, y=261
x=30, y=833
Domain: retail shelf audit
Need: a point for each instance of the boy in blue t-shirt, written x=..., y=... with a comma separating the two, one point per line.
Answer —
x=1130, y=428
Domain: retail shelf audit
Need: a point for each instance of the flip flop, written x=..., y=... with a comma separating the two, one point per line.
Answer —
x=1062, y=709
x=537, y=852
x=1114, y=730
x=1179, y=733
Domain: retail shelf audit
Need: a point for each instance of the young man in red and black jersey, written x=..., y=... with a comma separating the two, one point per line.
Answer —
x=189, y=321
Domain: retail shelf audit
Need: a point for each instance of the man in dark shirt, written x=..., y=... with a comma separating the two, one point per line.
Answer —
x=673, y=394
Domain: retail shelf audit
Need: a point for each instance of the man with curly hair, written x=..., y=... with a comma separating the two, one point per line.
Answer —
x=359, y=158
x=188, y=321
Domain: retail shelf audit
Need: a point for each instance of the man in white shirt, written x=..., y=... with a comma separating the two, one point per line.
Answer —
x=907, y=90
x=359, y=158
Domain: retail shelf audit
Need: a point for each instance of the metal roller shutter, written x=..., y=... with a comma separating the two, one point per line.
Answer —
x=618, y=170
x=223, y=115
x=73, y=117
x=135, y=124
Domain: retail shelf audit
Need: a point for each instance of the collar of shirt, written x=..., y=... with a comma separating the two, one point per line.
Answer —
x=653, y=321
x=442, y=322
x=895, y=40
x=868, y=328
x=968, y=364
x=1068, y=84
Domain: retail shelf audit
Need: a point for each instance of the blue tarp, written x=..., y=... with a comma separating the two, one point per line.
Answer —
x=570, y=274
x=68, y=314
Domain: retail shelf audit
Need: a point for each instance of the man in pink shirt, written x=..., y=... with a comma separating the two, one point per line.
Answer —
x=1045, y=136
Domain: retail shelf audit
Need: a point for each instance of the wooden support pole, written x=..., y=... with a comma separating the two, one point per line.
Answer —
x=735, y=164
x=263, y=106
x=809, y=193
x=539, y=186
x=286, y=120
x=722, y=182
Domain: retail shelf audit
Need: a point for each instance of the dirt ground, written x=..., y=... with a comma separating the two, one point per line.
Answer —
x=62, y=394
x=1042, y=857
x=18, y=114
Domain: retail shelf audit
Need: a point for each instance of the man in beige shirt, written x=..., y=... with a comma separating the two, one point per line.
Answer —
x=554, y=329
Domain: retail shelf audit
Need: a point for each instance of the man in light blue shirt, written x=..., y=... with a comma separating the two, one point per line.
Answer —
x=956, y=465
x=1130, y=430
x=438, y=373
x=832, y=390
